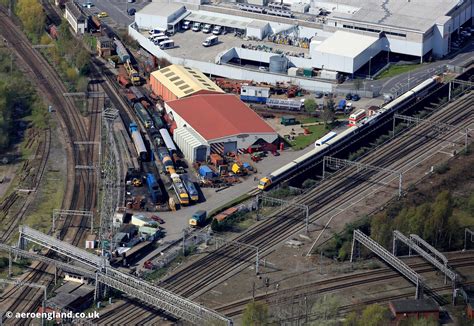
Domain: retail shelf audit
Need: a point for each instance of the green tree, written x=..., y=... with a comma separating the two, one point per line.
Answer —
x=374, y=315
x=82, y=61
x=381, y=229
x=214, y=225
x=351, y=319
x=32, y=16
x=419, y=322
x=308, y=183
x=310, y=105
x=328, y=113
x=255, y=314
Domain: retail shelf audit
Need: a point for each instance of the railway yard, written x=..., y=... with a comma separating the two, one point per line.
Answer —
x=188, y=197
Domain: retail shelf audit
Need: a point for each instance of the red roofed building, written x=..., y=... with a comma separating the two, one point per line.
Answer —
x=216, y=123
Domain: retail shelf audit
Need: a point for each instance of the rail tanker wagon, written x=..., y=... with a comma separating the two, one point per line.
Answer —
x=138, y=142
x=153, y=188
x=191, y=189
x=121, y=51
x=165, y=158
x=143, y=115
x=168, y=140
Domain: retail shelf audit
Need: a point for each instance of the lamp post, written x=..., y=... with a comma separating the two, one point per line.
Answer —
x=370, y=61
x=388, y=54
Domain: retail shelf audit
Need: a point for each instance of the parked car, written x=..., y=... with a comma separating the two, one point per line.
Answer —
x=131, y=11
x=355, y=97
x=87, y=4
x=349, y=96
x=102, y=14
x=319, y=94
x=262, y=68
x=186, y=25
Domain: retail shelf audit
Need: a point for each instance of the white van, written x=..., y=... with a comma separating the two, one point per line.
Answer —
x=207, y=28
x=217, y=30
x=159, y=39
x=168, y=44
x=155, y=31
x=196, y=27
x=155, y=35
x=186, y=25
x=210, y=41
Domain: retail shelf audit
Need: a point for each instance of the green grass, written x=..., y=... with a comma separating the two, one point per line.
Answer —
x=49, y=198
x=309, y=120
x=395, y=70
x=303, y=141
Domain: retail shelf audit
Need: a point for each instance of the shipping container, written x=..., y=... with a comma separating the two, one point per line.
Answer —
x=205, y=172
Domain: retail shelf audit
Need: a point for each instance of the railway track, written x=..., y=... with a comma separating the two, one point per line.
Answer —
x=81, y=190
x=314, y=289
x=212, y=269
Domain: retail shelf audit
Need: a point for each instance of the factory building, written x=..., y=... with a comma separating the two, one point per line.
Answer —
x=345, y=52
x=163, y=16
x=216, y=123
x=175, y=82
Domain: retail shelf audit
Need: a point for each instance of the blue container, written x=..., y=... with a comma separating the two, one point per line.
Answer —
x=205, y=171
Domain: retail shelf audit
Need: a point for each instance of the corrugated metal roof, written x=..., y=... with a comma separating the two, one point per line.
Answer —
x=346, y=44
x=160, y=9
x=215, y=116
x=192, y=138
x=183, y=81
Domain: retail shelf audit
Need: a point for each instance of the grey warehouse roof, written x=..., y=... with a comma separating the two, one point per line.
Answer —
x=236, y=22
x=418, y=15
x=346, y=44
x=161, y=9
x=412, y=305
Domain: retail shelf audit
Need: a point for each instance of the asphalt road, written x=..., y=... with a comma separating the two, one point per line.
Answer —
x=403, y=82
x=117, y=11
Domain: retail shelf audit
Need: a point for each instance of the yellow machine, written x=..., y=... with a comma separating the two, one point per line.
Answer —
x=136, y=182
x=264, y=183
x=236, y=168
x=132, y=73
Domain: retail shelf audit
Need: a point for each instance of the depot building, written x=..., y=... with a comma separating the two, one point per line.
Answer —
x=216, y=123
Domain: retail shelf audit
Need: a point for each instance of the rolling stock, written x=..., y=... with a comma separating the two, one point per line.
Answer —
x=168, y=140
x=179, y=189
x=165, y=158
x=191, y=189
x=143, y=115
x=153, y=188
x=310, y=157
x=138, y=142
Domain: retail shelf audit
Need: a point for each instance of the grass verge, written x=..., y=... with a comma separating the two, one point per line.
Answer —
x=300, y=142
x=396, y=70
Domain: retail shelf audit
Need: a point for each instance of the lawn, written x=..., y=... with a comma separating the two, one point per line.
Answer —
x=300, y=142
x=395, y=70
x=307, y=120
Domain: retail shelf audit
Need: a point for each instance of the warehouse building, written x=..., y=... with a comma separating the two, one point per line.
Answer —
x=216, y=123
x=175, y=82
x=344, y=51
x=163, y=16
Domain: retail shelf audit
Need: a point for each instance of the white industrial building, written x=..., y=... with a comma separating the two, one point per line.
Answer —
x=163, y=16
x=345, y=35
x=345, y=52
x=216, y=123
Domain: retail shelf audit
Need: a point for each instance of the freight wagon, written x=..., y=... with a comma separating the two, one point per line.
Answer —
x=226, y=214
x=138, y=142
x=154, y=188
x=122, y=52
x=143, y=115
